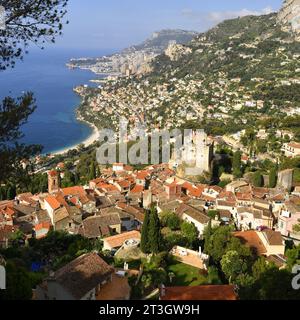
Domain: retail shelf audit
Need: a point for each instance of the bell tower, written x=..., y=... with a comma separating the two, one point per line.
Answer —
x=53, y=181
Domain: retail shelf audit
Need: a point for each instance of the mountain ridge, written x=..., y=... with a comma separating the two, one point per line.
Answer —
x=165, y=36
x=240, y=73
x=135, y=58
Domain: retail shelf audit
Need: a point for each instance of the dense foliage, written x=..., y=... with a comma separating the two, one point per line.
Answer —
x=13, y=114
x=49, y=253
x=29, y=21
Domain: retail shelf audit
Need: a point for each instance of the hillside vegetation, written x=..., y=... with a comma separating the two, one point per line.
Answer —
x=242, y=74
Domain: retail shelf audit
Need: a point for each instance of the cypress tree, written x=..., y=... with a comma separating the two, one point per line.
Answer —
x=154, y=232
x=237, y=164
x=2, y=195
x=11, y=193
x=145, y=234
x=92, y=173
x=208, y=234
x=76, y=179
x=273, y=178
x=257, y=179
x=98, y=173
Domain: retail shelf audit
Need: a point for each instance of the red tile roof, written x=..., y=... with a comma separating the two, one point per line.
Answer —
x=53, y=202
x=274, y=238
x=252, y=240
x=124, y=184
x=53, y=173
x=216, y=188
x=128, y=168
x=209, y=292
x=107, y=187
x=195, y=192
x=43, y=225
x=97, y=180
x=228, y=195
x=118, y=240
x=74, y=191
x=83, y=274
x=141, y=175
x=187, y=185
x=226, y=203
x=278, y=197
x=137, y=213
x=137, y=189
x=294, y=145
x=7, y=211
x=243, y=196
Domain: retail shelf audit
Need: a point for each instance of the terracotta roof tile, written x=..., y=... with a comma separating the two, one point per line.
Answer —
x=209, y=292
x=118, y=240
x=137, y=189
x=274, y=238
x=252, y=240
x=83, y=274
x=142, y=175
x=74, y=191
x=124, y=184
x=53, y=202
x=196, y=214
x=243, y=196
x=294, y=145
x=53, y=173
x=98, y=226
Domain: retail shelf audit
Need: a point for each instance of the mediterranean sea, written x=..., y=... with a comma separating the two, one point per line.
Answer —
x=44, y=72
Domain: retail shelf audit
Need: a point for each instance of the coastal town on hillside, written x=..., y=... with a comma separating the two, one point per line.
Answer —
x=112, y=208
x=136, y=59
x=220, y=223
x=179, y=96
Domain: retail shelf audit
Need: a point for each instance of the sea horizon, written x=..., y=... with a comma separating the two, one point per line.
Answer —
x=44, y=72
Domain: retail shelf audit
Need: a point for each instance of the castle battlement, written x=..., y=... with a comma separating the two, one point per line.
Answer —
x=198, y=155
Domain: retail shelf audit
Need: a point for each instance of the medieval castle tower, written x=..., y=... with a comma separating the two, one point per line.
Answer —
x=196, y=158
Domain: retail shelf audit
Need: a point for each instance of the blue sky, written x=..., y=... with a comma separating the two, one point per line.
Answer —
x=115, y=24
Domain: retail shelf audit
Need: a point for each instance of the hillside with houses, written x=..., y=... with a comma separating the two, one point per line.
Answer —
x=241, y=72
x=114, y=216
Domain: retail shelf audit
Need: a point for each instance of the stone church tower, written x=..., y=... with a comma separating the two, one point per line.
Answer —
x=53, y=181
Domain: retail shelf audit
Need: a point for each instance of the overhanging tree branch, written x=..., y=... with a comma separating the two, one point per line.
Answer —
x=29, y=21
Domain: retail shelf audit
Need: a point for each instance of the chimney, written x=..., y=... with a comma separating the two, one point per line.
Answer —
x=162, y=290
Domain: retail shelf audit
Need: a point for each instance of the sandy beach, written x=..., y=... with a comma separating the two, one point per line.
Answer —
x=87, y=142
